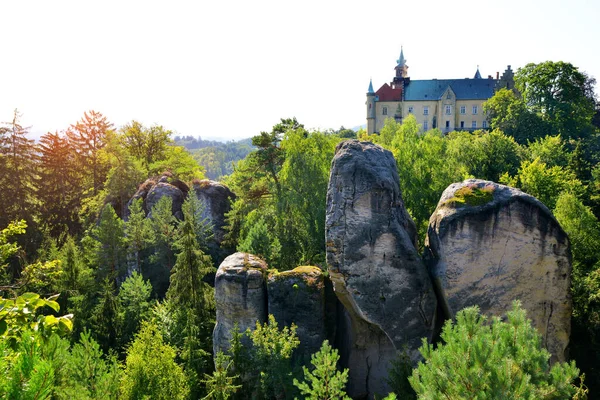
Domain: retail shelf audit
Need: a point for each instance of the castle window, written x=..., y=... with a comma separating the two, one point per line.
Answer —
x=448, y=96
x=410, y=109
x=462, y=124
x=484, y=124
x=463, y=109
x=448, y=110
x=474, y=109
x=384, y=110
x=474, y=124
x=426, y=110
x=447, y=124
x=425, y=127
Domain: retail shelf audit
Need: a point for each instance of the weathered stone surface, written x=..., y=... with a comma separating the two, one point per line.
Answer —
x=240, y=296
x=153, y=189
x=298, y=296
x=217, y=200
x=377, y=272
x=489, y=244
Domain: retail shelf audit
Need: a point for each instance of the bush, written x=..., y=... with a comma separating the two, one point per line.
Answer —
x=500, y=360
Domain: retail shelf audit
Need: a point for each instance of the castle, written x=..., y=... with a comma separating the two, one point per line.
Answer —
x=447, y=104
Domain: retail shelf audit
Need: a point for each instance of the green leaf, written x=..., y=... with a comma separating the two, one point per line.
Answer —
x=3, y=327
x=29, y=296
x=54, y=305
x=50, y=320
x=65, y=324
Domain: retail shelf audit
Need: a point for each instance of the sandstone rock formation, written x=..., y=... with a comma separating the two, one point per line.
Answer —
x=489, y=244
x=217, y=200
x=153, y=189
x=377, y=272
x=240, y=295
x=298, y=296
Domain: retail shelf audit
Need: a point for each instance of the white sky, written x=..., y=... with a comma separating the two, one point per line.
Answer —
x=230, y=69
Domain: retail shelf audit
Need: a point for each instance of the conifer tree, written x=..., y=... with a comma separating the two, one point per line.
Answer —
x=17, y=174
x=87, y=137
x=139, y=233
x=111, y=237
x=164, y=226
x=324, y=382
x=58, y=186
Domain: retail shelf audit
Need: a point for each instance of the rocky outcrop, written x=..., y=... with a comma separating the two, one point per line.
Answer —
x=489, y=244
x=217, y=199
x=240, y=296
x=153, y=189
x=377, y=272
x=298, y=297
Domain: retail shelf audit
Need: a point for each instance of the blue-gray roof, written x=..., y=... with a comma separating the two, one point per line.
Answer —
x=464, y=89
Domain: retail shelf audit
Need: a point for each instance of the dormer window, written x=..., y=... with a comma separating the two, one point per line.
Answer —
x=448, y=96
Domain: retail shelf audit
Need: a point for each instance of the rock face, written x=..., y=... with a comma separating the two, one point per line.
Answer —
x=240, y=295
x=152, y=190
x=377, y=272
x=489, y=244
x=217, y=200
x=298, y=296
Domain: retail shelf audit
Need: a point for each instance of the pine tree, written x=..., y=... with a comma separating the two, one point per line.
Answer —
x=17, y=174
x=324, y=382
x=87, y=136
x=139, y=233
x=58, y=186
x=111, y=236
x=221, y=384
x=501, y=360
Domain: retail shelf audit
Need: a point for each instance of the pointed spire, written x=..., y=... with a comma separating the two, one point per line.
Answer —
x=371, y=87
x=401, y=61
x=477, y=74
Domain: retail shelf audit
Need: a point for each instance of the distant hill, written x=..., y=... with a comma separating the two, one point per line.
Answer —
x=216, y=157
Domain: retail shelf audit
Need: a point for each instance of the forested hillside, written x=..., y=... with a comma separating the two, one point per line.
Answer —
x=102, y=298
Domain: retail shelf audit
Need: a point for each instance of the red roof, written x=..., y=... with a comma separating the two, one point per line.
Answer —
x=387, y=93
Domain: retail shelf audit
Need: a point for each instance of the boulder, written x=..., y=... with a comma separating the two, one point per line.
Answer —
x=377, y=272
x=153, y=189
x=217, y=199
x=298, y=297
x=490, y=244
x=240, y=296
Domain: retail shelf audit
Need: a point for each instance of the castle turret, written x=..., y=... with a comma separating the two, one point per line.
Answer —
x=371, y=98
x=401, y=68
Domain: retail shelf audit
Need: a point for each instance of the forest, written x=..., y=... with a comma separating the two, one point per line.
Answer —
x=101, y=299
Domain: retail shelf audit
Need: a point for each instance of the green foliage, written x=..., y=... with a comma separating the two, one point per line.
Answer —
x=179, y=163
x=139, y=233
x=546, y=184
x=324, y=382
x=550, y=150
x=194, y=211
x=559, y=94
x=110, y=235
x=147, y=145
x=106, y=317
x=90, y=375
x=271, y=360
x=164, y=226
x=134, y=298
x=398, y=374
x=150, y=369
x=491, y=361
x=221, y=384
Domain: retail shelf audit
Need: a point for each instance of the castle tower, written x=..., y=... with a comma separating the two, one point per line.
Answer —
x=370, y=109
x=401, y=68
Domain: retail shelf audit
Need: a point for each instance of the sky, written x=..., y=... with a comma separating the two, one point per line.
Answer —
x=227, y=70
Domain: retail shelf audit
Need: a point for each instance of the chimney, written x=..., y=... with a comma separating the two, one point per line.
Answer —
x=497, y=75
x=489, y=77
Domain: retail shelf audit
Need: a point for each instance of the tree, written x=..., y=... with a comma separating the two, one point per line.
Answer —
x=509, y=113
x=492, y=361
x=324, y=382
x=139, y=233
x=134, y=300
x=146, y=144
x=163, y=224
x=87, y=136
x=221, y=385
x=560, y=94
x=111, y=237
x=58, y=186
x=106, y=318
x=150, y=369
x=17, y=176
